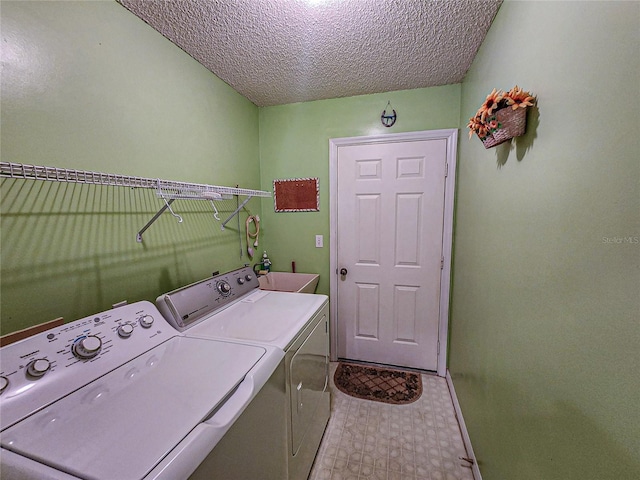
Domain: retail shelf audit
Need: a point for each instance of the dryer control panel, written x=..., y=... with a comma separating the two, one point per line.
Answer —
x=187, y=305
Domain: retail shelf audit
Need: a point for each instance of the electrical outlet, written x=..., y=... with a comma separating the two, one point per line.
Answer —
x=319, y=241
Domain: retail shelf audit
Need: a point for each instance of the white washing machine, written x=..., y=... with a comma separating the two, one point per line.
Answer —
x=122, y=395
x=278, y=436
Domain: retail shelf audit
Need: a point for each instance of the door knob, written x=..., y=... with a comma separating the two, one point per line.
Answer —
x=343, y=272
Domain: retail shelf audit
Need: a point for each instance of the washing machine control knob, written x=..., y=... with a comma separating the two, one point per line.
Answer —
x=240, y=281
x=248, y=277
x=38, y=368
x=224, y=288
x=4, y=383
x=146, y=321
x=125, y=330
x=87, y=347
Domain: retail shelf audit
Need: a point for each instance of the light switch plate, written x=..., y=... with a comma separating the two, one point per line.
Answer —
x=319, y=241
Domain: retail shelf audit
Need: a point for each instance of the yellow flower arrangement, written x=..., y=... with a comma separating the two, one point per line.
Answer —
x=490, y=104
x=485, y=123
x=518, y=98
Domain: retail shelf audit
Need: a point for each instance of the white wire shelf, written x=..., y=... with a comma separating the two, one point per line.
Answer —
x=165, y=188
x=168, y=190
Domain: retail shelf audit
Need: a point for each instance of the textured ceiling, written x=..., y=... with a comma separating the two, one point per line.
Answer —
x=284, y=51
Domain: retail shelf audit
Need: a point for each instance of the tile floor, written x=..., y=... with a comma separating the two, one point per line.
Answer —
x=377, y=441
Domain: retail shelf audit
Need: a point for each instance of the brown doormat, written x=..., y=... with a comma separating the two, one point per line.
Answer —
x=378, y=384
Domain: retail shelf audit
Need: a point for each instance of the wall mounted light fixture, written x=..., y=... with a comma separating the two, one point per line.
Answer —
x=389, y=116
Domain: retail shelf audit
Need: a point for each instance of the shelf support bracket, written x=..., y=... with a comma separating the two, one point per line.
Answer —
x=167, y=205
x=236, y=211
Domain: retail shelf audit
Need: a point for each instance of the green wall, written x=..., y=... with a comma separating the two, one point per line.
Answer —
x=88, y=85
x=544, y=328
x=294, y=142
x=545, y=312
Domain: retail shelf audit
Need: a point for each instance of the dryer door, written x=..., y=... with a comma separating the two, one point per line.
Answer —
x=309, y=370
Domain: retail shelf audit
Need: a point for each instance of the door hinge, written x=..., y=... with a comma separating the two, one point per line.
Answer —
x=446, y=169
x=438, y=347
x=441, y=263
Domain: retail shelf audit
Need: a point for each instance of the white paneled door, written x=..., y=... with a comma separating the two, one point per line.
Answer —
x=390, y=217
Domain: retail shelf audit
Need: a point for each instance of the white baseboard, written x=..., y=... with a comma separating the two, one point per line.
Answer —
x=463, y=429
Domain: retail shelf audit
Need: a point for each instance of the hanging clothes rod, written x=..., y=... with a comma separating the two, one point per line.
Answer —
x=168, y=190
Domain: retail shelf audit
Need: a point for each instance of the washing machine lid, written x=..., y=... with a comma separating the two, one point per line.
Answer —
x=124, y=423
x=267, y=317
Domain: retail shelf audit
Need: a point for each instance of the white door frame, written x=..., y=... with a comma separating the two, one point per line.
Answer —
x=451, y=136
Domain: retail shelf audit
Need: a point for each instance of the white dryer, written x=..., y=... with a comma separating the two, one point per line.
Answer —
x=278, y=436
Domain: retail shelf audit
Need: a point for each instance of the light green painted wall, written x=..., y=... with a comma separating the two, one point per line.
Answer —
x=294, y=142
x=545, y=311
x=88, y=85
x=544, y=330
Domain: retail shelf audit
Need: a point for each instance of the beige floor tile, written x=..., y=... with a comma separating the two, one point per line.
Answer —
x=368, y=440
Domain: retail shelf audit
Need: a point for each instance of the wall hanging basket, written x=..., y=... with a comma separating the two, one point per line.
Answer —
x=501, y=117
x=513, y=123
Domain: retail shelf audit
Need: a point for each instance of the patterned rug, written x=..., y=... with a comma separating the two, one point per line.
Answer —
x=377, y=383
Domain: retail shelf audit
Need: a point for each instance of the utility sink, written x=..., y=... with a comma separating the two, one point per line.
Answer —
x=289, y=282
